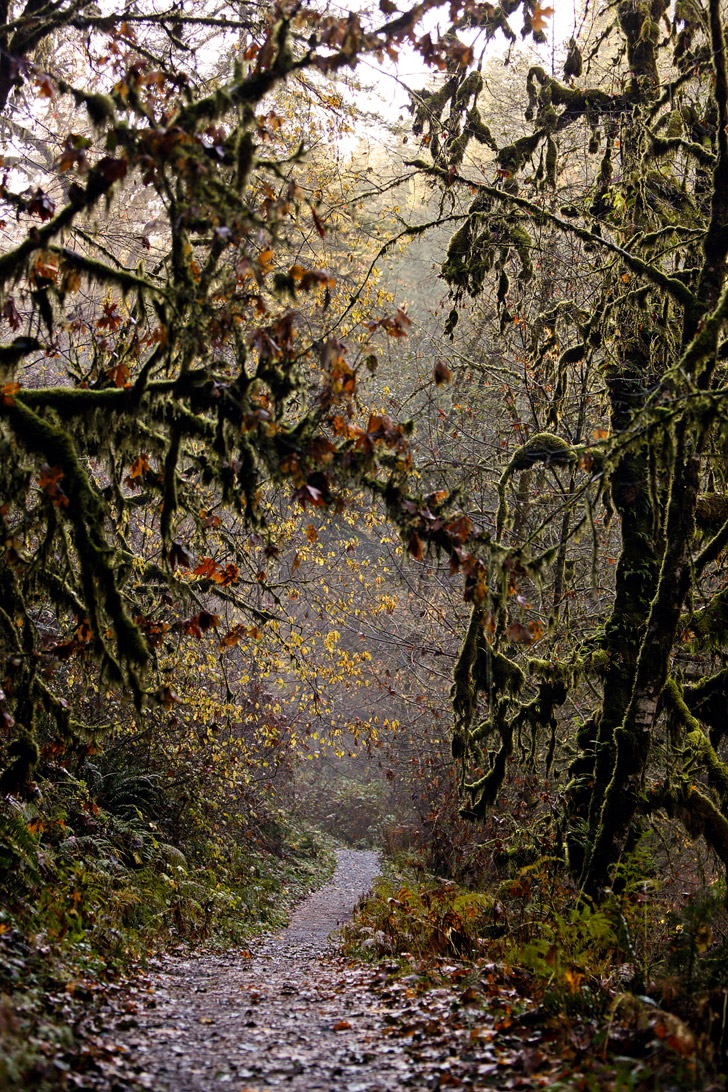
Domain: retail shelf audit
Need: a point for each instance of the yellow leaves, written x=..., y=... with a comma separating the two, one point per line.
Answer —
x=703, y=937
x=573, y=979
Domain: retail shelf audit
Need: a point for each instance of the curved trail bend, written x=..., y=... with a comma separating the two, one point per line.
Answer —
x=295, y=1016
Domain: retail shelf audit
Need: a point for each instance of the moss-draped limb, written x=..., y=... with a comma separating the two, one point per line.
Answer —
x=696, y=811
x=86, y=515
x=698, y=747
x=544, y=447
x=708, y=701
x=663, y=145
x=103, y=273
x=12, y=262
x=247, y=92
x=671, y=285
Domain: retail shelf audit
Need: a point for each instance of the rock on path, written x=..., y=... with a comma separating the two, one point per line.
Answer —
x=294, y=1016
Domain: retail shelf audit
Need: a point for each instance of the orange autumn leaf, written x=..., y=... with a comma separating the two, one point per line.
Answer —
x=8, y=394
x=540, y=17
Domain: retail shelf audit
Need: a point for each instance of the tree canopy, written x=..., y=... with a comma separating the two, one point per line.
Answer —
x=178, y=376
x=172, y=359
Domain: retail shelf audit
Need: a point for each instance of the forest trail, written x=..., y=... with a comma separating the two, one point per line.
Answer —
x=292, y=1015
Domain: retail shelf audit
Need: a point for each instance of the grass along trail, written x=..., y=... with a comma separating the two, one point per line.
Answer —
x=296, y=1014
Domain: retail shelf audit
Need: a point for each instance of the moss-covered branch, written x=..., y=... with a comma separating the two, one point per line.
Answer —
x=545, y=448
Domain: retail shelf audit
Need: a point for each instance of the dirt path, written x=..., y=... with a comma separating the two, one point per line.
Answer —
x=294, y=1015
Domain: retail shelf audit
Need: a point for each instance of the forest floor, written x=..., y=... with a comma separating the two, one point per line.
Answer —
x=293, y=1013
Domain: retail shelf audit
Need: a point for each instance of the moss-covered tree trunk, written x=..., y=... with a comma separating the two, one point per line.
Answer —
x=632, y=738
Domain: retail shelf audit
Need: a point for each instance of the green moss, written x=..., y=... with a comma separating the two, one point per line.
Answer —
x=710, y=624
x=544, y=447
x=696, y=741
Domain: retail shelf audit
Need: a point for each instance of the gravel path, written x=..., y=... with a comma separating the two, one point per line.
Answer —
x=294, y=1015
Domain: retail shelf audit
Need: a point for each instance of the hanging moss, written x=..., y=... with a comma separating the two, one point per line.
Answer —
x=477, y=127
x=710, y=624
x=483, y=792
x=513, y=156
x=508, y=678
x=428, y=106
x=711, y=511
x=551, y=160
x=463, y=692
x=696, y=742
x=544, y=447
x=523, y=244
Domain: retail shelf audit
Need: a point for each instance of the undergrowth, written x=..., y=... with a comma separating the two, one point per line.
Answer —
x=642, y=979
x=93, y=885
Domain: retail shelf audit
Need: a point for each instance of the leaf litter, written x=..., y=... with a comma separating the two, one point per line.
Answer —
x=292, y=1012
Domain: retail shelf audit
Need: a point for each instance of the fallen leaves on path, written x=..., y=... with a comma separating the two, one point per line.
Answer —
x=292, y=1013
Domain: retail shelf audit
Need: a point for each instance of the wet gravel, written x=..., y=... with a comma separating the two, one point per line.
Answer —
x=292, y=1015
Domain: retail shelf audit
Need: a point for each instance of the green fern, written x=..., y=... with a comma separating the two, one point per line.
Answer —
x=18, y=851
